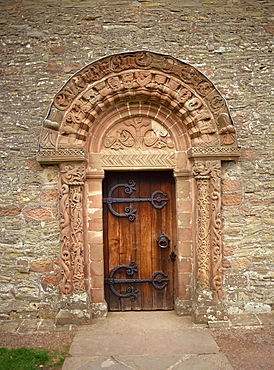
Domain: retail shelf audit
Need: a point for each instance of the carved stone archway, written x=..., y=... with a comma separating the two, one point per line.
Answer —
x=140, y=110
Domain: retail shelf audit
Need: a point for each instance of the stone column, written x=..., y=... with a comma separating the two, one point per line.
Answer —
x=208, y=290
x=184, y=244
x=95, y=256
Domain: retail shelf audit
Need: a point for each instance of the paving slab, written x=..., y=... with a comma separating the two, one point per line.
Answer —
x=217, y=361
x=145, y=341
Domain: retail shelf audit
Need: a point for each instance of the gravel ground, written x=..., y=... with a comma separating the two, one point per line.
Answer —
x=38, y=340
x=247, y=349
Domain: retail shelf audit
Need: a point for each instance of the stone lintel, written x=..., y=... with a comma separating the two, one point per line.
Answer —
x=61, y=155
x=224, y=153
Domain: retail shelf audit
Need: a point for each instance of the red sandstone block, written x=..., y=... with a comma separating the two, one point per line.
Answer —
x=40, y=213
x=96, y=268
x=184, y=249
x=53, y=279
x=9, y=211
x=49, y=197
x=248, y=154
x=184, y=279
x=269, y=29
x=44, y=265
x=96, y=252
x=95, y=201
x=185, y=265
x=184, y=205
x=32, y=165
x=58, y=49
x=255, y=201
x=184, y=234
x=231, y=185
x=231, y=199
x=182, y=292
x=53, y=67
x=97, y=295
x=95, y=237
x=184, y=219
x=183, y=189
x=95, y=186
x=95, y=224
x=95, y=213
x=97, y=281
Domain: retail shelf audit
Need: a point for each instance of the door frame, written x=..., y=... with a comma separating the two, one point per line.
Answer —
x=193, y=132
x=184, y=265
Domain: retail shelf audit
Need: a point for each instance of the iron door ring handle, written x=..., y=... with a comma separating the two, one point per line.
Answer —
x=163, y=241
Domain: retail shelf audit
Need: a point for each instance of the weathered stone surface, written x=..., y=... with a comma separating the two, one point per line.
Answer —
x=236, y=53
x=9, y=211
x=41, y=265
x=40, y=213
x=53, y=279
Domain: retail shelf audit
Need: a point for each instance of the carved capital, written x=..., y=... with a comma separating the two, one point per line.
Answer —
x=73, y=173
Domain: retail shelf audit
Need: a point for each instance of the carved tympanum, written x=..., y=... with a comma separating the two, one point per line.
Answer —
x=138, y=133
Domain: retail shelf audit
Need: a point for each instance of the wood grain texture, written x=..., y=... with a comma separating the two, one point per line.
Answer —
x=126, y=241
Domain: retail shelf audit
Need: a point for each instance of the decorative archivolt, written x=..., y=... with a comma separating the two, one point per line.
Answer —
x=136, y=77
x=138, y=109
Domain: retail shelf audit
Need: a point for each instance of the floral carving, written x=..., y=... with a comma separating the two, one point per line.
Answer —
x=48, y=139
x=202, y=174
x=138, y=133
x=207, y=174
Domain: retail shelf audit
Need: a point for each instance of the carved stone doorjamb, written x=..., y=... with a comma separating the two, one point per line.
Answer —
x=73, y=285
x=185, y=241
x=208, y=289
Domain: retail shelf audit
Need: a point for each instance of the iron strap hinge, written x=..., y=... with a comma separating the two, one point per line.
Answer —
x=158, y=200
x=159, y=281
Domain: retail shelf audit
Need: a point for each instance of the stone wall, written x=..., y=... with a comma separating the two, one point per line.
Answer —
x=44, y=42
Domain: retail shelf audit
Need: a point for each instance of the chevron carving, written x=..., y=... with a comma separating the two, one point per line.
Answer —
x=140, y=160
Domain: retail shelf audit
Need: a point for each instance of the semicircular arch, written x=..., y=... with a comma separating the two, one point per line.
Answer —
x=137, y=78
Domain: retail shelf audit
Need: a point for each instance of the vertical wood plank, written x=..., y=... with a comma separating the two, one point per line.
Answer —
x=126, y=241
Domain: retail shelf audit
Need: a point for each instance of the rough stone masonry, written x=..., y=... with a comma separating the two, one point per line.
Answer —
x=43, y=43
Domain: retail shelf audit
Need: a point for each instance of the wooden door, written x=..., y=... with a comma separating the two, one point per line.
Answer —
x=139, y=240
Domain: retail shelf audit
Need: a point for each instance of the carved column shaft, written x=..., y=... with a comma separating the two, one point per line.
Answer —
x=71, y=181
x=209, y=248
x=216, y=228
